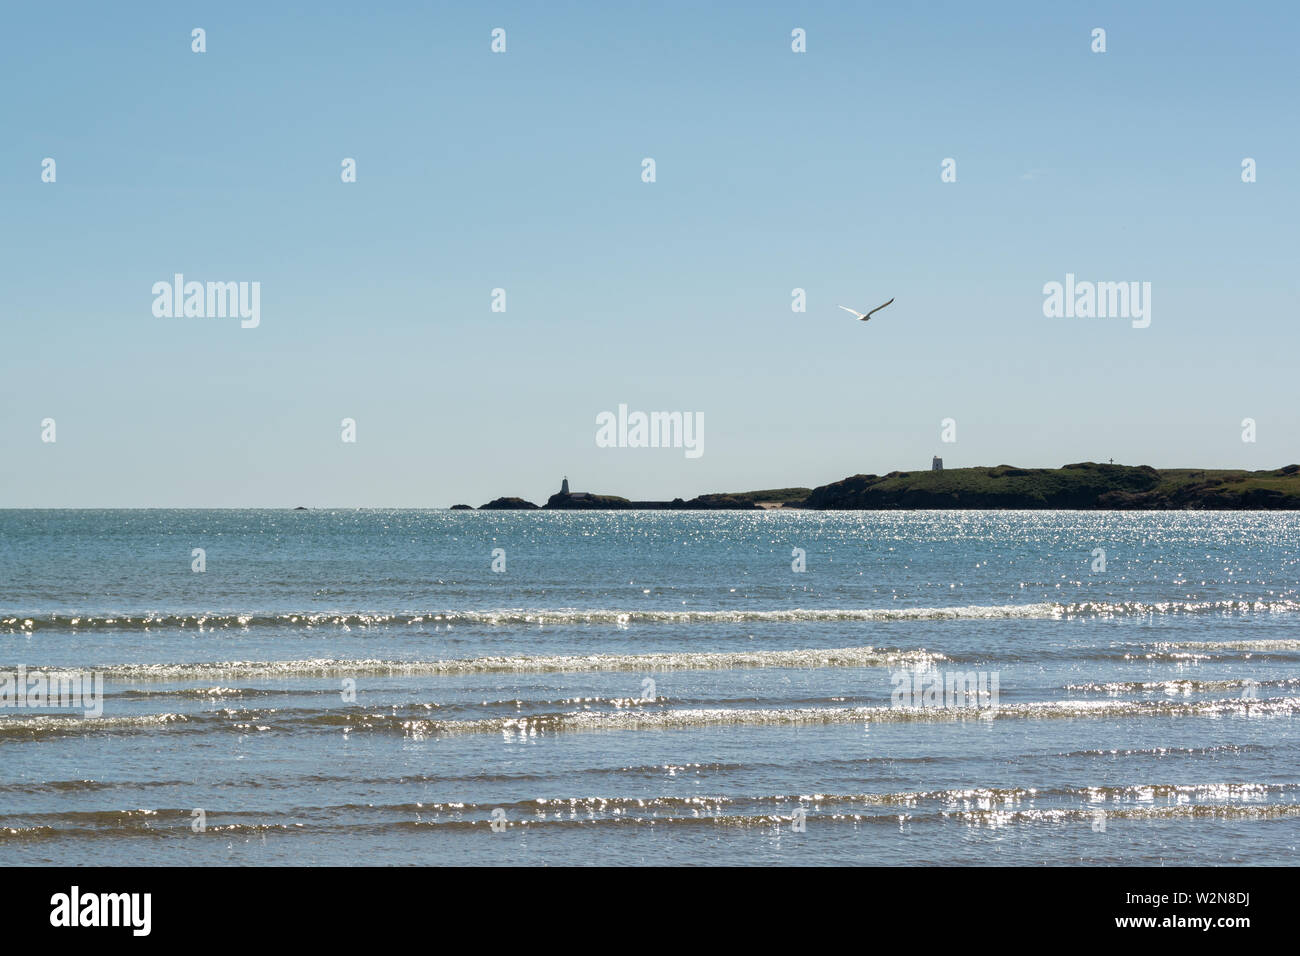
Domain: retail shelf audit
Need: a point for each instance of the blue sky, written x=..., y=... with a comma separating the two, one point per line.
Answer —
x=522, y=171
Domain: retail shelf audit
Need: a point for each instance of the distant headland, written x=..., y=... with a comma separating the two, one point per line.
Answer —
x=1084, y=486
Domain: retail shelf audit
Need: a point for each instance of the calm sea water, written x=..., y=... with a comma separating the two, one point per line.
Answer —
x=360, y=687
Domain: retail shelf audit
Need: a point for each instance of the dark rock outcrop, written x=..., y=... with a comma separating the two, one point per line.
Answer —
x=589, y=502
x=508, y=504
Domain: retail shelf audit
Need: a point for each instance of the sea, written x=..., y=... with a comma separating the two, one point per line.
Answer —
x=431, y=687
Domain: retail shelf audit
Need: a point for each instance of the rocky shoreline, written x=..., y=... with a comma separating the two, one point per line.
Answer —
x=591, y=502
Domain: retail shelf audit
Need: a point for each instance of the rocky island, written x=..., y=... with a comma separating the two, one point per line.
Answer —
x=565, y=500
x=1083, y=486
x=1086, y=486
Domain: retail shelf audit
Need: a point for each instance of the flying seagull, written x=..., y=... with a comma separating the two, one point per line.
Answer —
x=865, y=315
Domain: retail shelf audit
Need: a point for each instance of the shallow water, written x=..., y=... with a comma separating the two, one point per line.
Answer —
x=653, y=687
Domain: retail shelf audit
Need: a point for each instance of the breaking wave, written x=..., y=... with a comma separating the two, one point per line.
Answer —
x=976, y=806
x=348, y=620
x=650, y=717
x=866, y=656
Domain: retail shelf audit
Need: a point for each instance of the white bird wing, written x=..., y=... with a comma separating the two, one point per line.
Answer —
x=854, y=312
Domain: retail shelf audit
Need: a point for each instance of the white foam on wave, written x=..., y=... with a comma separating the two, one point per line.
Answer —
x=683, y=719
x=866, y=656
x=559, y=617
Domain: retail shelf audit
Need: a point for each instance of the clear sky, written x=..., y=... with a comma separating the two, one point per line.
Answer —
x=775, y=170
